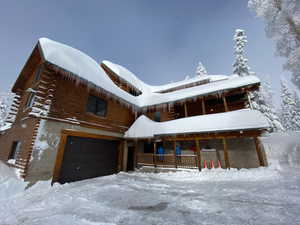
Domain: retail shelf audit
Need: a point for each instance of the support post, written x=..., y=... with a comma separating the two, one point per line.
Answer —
x=203, y=106
x=198, y=155
x=175, y=158
x=259, y=151
x=225, y=103
x=125, y=155
x=135, y=153
x=154, y=153
x=185, y=110
x=249, y=100
x=226, y=156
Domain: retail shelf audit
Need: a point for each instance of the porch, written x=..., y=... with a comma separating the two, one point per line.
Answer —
x=238, y=151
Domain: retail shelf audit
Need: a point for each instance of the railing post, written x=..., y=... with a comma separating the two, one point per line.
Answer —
x=135, y=153
x=198, y=154
x=175, y=159
x=185, y=110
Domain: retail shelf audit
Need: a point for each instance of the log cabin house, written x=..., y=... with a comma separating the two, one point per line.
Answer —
x=73, y=119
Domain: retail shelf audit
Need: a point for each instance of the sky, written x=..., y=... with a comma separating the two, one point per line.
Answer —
x=159, y=41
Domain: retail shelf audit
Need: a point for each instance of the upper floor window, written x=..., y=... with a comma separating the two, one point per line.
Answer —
x=15, y=149
x=157, y=116
x=38, y=72
x=30, y=100
x=97, y=106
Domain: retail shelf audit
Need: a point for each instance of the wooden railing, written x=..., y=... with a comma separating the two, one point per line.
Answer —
x=167, y=160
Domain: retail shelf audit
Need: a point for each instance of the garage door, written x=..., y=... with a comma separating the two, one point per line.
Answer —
x=87, y=158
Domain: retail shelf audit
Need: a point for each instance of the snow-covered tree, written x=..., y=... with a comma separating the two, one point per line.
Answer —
x=282, y=19
x=5, y=103
x=200, y=70
x=241, y=63
x=297, y=109
x=288, y=109
x=262, y=101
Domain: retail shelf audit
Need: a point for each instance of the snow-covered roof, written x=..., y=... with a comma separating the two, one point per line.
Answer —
x=87, y=69
x=239, y=120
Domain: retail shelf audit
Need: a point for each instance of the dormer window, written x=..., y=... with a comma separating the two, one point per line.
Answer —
x=97, y=106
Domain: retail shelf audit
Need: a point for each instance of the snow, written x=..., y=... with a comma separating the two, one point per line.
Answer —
x=228, y=197
x=10, y=184
x=235, y=120
x=85, y=68
x=5, y=127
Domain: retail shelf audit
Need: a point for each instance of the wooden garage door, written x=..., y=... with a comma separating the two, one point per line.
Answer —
x=87, y=158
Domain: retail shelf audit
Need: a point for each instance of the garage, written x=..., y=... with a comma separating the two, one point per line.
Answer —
x=85, y=158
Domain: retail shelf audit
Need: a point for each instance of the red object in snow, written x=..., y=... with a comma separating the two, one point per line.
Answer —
x=205, y=166
x=219, y=164
x=212, y=165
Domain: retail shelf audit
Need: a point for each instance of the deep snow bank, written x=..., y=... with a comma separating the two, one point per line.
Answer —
x=10, y=184
x=283, y=149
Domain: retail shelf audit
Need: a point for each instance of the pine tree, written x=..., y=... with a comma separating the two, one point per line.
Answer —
x=288, y=109
x=241, y=63
x=5, y=103
x=297, y=111
x=262, y=101
x=200, y=71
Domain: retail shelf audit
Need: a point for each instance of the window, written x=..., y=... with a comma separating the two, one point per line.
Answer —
x=97, y=106
x=157, y=116
x=38, y=73
x=15, y=149
x=30, y=100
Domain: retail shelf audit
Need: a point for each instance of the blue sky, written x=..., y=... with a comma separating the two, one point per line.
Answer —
x=160, y=41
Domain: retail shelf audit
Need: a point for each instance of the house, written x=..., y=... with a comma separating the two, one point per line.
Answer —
x=73, y=119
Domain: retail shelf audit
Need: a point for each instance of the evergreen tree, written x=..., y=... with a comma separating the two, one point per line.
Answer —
x=288, y=109
x=282, y=24
x=297, y=110
x=5, y=103
x=241, y=63
x=200, y=71
x=262, y=101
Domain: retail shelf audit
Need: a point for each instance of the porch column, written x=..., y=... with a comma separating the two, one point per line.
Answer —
x=225, y=103
x=226, y=156
x=154, y=153
x=125, y=156
x=203, y=106
x=198, y=155
x=185, y=110
x=175, y=159
x=135, y=153
x=249, y=100
x=259, y=151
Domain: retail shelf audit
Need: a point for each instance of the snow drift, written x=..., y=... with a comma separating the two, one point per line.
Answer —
x=10, y=184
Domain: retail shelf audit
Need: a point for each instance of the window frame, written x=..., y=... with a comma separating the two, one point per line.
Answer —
x=30, y=100
x=99, y=104
x=14, y=150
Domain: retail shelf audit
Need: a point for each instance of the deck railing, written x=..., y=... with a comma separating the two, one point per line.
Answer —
x=167, y=160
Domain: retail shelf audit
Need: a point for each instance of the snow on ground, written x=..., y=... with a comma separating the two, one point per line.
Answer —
x=256, y=196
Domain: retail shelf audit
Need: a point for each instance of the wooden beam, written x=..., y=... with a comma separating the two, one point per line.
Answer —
x=259, y=151
x=175, y=158
x=225, y=103
x=135, y=153
x=185, y=110
x=203, y=106
x=198, y=154
x=59, y=157
x=154, y=153
x=226, y=155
